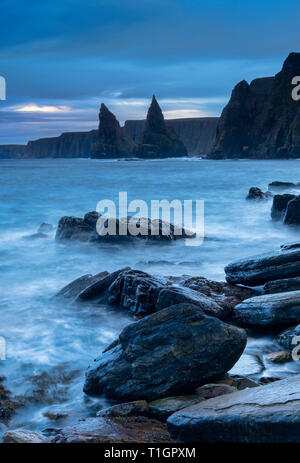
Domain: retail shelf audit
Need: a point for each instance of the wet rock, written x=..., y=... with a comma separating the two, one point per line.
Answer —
x=45, y=228
x=287, y=247
x=74, y=228
x=292, y=213
x=208, y=391
x=136, y=408
x=99, y=287
x=260, y=269
x=168, y=353
x=161, y=409
x=238, y=382
x=74, y=288
x=269, y=309
x=268, y=413
x=287, y=338
x=268, y=379
x=282, y=185
x=114, y=430
x=8, y=404
x=257, y=194
x=279, y=357
x=22, y=436
x=279, y=205
x=282, y=286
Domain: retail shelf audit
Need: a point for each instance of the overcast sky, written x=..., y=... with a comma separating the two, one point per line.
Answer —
x=62, y=58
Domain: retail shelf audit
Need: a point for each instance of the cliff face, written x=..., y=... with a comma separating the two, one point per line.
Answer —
x=157, y=139
x=67, y=145
x=261, y=120
x=112, y=142
x=197, y=133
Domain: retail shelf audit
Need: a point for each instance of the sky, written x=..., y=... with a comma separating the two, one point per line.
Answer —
x=61, y=59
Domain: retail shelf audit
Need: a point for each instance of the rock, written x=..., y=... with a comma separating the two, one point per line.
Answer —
x=286, y=247
x=55, y=415
x=8, y=405
x=22, y=436
x=247, y=365
x=257, y=194
x=292, y=214
x=168, y=353
x=268, y=379
x=261, y=120
x=269, y=309
x=282, y=286
x=208, y=391
x=287, y=338
x=137, y=408
x=74, y=288
x=260, y=269
x=279, y=357
x=238, y=382
x=74, y=228
x=45, y=228
x=268, y=414
x=161, y=409
x=279, y=205
x=114, y=431
x=98, y=288
x=282, y=185
x=112, y=142
x=158, y=140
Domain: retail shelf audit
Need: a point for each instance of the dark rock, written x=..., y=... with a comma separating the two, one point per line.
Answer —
x=268, y=414
x=288, y=338
x=260, y=269
x=45, y=228
x=279, y=357
x=208, y=391
x=170, y=352
x=292, y=213
x=269, y=309
x=257, y=194
x=74, y=288
x=287, y=247
x=282, y=185
x=8, y=405
x=99, y=287
x=137, y=408
x=157, y=139
x=261, y=120
x=114, y=431
x=161, y=409
x=279, y=205
x=74, y=228
x=238, y=382
x=282, y=286
x=112, y=142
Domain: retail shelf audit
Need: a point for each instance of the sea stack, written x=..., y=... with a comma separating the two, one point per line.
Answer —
x=112, y=142
x=157, y=139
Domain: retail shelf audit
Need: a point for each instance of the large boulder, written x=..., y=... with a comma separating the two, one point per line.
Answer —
x=158, y=140
x=292, y=213
x=257, y=270
x=279, y=205
x=269, y=309
x=268, y=414
x=168, y=353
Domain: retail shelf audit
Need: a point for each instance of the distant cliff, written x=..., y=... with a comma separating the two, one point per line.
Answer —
x=12, y=151
x=261, y=120
x=197, y=133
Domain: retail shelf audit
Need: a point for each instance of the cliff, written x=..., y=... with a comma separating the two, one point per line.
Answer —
x=12, y=151
x=261, y=120
x=197, y=133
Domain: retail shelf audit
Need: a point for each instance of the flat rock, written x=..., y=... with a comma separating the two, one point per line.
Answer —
x=268, y=413
x=282, y=286
x=269, y=309
x=114, y=430
x=208, y=391
x=22, y=436
x=99, y=287
x=161, y=409
x=136, y=408
x=260, y=269
x=74, y=288
x=168, y=353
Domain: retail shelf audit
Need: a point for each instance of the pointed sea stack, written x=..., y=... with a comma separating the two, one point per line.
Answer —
x=157, y=139
x=112, y=142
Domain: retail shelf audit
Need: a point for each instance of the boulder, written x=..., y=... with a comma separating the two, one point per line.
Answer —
x=22, y=436
x=98, y=288
x=279, y=357
x=287, y=338
x=118, y=430
x=168, y=353
x=161, y=409
x=136, y=408
x=260, y=269
x=282, y=185
x=74, y=288
x=292, y=213
x=282, y=286
x=268, y=414
x=208, y=391
x=257, y=194
x=74, y=228
x=269, y=309
x=279, y=205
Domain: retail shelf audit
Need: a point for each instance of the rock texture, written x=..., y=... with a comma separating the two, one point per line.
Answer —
x=282, y=286
x=168, y=353
x=279, y=205
x=22, y=436
x=157, y=139
x=292, y=213
x=257, y=270
x=161, y=409
x=136, y=408
x=257, y=194
x=261, y=120
x=112, y=143
x=268, y=414
x=287, y=339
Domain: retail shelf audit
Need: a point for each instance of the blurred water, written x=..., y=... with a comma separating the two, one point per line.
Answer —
x=50, y=344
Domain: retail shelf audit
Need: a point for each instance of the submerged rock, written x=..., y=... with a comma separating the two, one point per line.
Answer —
x=45, y=228
x=268, y=413
x=74, y=288
x=257, y=194
x=292, y=213
x=257, y=270
x=170, y=352
x=158, y=140
x=279, y=357
x=269, y=309
x=161, y=409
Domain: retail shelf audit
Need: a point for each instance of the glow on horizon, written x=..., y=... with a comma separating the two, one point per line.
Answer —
x=32, y=108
